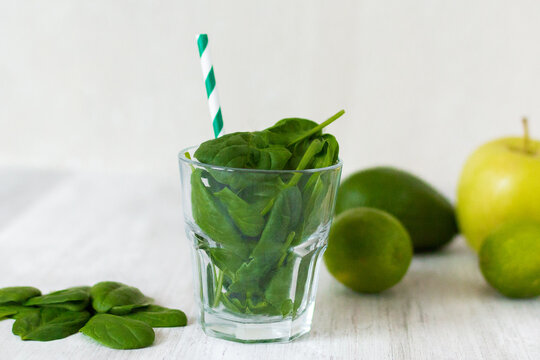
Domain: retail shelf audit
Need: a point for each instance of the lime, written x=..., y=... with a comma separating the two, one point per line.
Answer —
x=510, y=259
x=369, y=250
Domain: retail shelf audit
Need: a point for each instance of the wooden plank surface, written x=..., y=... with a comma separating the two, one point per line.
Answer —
x=59, y=230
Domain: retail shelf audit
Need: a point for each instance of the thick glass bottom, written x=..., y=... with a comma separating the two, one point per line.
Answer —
x=248, y=331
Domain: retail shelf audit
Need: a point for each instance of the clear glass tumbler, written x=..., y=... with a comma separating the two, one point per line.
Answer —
x=257, y=238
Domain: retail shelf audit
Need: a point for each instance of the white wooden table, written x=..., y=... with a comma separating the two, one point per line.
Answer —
x=60, y=229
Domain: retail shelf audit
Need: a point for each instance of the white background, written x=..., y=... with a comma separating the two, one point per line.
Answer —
x=116, y=85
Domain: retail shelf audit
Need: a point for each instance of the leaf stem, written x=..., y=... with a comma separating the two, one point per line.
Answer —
x=318, y=127
x=311, y=151
x=288, y=243
x=217, y=292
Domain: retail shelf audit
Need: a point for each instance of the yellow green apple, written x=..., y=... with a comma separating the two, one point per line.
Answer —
x=500, y=182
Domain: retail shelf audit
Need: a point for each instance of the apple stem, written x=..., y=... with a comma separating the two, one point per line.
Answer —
x=526, y=138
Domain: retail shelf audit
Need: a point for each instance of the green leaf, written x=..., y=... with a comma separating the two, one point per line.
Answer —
x=119, y=332
x=158, y=316
x=283, y=217
x=212, y=218
x=245, y=216
x=46, y=324
x=256, y=304
x=15, y=311
x=316, y=205
x=328, y=156
x=73, y=299
x=286, y=130
x=226, y=260
x=17, y=294
x=233, y=305
x=278, y=291
x=242, y=150
x=117, y=298
x=246, y=150
x=298, y=150
x=7, y=312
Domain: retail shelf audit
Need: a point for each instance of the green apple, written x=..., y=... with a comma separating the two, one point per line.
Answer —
x=500, y=182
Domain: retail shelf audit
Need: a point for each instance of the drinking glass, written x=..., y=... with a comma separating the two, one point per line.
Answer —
x=257, y=237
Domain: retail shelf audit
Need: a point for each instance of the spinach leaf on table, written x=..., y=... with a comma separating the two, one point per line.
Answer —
x=158, y=316
x=45, y=324
x=117, y=298
x=7, y=311
x=73, y=299
x=15, y=311
x=119, y=332
x=17, y=294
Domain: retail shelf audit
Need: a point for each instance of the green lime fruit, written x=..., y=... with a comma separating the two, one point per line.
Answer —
x=368, y=250
x=510, y=259
x=426, y=214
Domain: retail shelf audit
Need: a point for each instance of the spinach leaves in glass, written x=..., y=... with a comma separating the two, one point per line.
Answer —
x=257, y=218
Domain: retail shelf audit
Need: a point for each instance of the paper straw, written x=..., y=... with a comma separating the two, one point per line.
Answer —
x=210, y=82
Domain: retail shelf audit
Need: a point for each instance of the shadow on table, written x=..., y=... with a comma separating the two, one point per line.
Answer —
x=444, y=279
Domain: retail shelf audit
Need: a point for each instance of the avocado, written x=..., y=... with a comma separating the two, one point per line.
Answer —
x=426, y=214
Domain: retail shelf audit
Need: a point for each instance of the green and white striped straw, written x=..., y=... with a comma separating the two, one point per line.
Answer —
x=210, y=82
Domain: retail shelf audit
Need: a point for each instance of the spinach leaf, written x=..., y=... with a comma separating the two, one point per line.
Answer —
x=286, y=130
x=226, y=260
x=278, y=291
x=260, y=191
x=242, y=150
x=213, y=219
x=158, y=316
x=268, y=250
x=73, y=299
x=256, y=304
x=15, y=311
x=7, y=311
x=328, y=156
x=47, y=324
x=246, y=150
x=17, y=294
x=245, y=216
x=117, y=298
x=119, y=332
x=233, y=305
x=298, y=150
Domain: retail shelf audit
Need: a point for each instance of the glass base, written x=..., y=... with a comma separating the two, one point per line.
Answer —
x=221, y=326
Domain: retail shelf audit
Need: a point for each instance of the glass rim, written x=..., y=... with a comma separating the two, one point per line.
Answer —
x=182, y=157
